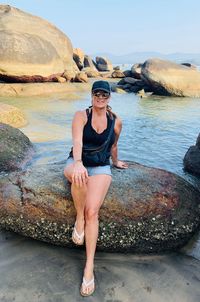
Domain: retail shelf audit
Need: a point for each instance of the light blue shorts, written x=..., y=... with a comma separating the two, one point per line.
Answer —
x=93, y=170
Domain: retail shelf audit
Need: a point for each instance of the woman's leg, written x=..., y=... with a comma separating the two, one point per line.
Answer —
x=79, y=197
x=97, y=188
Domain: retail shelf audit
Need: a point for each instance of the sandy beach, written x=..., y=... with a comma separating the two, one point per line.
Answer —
x=32, y=271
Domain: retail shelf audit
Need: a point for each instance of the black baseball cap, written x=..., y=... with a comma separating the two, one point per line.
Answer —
x=101, y=85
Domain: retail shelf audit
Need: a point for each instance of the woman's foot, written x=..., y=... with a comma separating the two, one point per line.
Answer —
x=88, y=285
x=77, y=234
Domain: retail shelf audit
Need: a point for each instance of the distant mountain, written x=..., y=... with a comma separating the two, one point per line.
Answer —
x=140, y=57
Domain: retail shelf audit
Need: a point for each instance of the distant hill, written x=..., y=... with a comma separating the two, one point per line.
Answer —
x=140, y=57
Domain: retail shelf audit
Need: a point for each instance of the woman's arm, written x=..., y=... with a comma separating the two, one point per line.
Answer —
x=80, y=175
x=114, y=150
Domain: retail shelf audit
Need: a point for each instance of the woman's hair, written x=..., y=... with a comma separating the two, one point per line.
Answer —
x=109, y=109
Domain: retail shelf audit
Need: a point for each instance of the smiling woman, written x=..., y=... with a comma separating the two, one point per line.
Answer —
x=95, y=133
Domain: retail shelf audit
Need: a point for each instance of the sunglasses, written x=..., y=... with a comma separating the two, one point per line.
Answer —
x=103, y=95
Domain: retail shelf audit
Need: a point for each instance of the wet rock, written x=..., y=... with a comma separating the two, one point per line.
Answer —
x=15, y=148
x=12, y=116
x=145, y=210
x=31, y=49
x=168, y=78
x=191, y=159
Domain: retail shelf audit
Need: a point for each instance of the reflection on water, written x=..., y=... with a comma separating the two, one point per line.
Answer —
x=157, y=131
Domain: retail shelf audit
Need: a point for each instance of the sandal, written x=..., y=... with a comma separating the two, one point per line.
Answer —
x=77, y=238
x=85, y=284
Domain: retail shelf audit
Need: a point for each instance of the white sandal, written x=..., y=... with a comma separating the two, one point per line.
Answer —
x=77, y=238
x=86, y=284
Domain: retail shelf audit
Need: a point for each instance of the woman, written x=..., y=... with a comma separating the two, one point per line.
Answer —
x=90, y=182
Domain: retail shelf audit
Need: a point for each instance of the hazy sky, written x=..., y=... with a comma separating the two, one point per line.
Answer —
x=123, y=26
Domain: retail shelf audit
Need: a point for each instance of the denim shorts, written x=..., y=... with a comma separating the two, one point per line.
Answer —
x=93, y=170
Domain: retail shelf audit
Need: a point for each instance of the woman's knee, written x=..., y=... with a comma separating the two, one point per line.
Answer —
x=91, y=214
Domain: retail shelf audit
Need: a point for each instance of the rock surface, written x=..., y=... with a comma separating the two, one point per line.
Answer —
x=15, y=148
x=191, y=159
x=12, y=116
x=31, y=49
x=146, y=209
x=169, y=78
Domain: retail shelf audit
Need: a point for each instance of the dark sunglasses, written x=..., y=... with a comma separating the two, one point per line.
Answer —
x=103, y=95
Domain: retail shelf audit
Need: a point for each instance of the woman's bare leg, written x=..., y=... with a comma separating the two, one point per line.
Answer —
x=79, y=197
x=97, y=188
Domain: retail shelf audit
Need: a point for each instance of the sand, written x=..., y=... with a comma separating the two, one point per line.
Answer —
x=38, y=272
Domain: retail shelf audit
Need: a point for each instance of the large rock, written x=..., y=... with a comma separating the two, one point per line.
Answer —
x=12, y=116
x=103, y=64
x=145, y=210
x=191, y=159
x=15, y=148
x=169, y=78
x=88, y=62
x=78, y=56
x=31, y=49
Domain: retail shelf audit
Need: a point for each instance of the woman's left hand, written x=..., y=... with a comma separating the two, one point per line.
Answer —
x=121, y=164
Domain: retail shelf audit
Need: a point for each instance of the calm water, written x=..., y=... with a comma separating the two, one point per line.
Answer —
x=157, y=131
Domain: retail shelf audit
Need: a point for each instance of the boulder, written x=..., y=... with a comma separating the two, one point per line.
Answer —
x=191, y=159
x=61, y=79
x=16, y=150
x=128, y=73
x=69, y=75
x=12, y=116
x=145, y=210
x=190, y=65
x=168, y=78
x=117, y=74
x=78, y=56
x=88, y=62
x=31, y=49
x=81, y=77
x=103, y=64
x=91, y=73
x=136, y=70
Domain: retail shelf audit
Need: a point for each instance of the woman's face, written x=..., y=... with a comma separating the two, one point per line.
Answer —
x=100, y=98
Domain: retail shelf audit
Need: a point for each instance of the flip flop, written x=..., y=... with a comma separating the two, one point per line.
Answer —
x=77, y=238
x=86, y=284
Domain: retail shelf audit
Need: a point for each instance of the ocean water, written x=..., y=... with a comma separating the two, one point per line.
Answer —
x=157, y=131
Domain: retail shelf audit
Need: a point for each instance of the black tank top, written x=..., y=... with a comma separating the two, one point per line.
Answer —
x=92, y=139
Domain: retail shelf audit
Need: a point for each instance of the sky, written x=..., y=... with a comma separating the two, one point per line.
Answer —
x=122, y=26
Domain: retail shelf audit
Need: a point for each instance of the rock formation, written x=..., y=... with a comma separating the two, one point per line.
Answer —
x=31, y=49
x=191, y=159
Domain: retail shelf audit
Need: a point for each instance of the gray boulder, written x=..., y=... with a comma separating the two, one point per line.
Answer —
x=191, y=159
x=168, y=78
x=31, y=49
x=145, y=210
x=15, y=148
x=103, y=64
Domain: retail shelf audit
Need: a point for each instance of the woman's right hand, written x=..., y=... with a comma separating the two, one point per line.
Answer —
x=80, y=174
